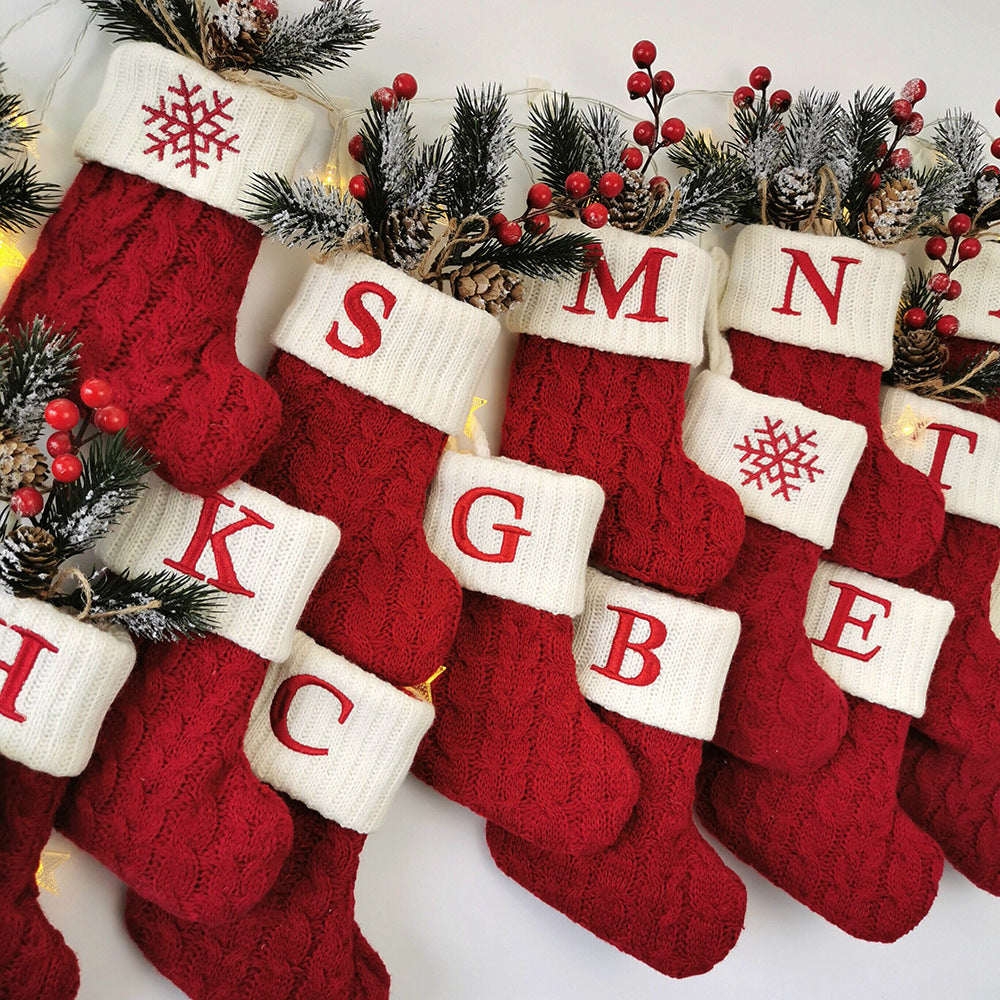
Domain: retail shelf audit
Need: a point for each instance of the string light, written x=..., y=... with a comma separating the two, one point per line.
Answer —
x=909, y=424
x=45, y=877
x=10, y=256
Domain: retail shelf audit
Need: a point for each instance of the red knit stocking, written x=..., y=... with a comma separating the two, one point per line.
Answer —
x=659, y=892
x=35, y=962
x=956, y=799
x=513, y=739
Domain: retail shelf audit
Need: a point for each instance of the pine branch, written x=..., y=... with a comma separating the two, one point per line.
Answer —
x=24, y=197
x=607, y=138
x=38, y=364
x=430, y=171
x=958, y=138
x=389, y=157
x=535, y=255
x=917, y=294
x=815, y=129
x=941, y=190
x=978, y=378
x=322, y=39
x=710, y=162
x=760, y=141
x=712, y=194
x=559, y=141
x=127, y=20
x=302, y=213
x=15, y=129
x=79, y=514
x=865, y=127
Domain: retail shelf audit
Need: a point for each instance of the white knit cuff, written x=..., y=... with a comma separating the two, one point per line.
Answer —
x=513, y=530
x=957, y=449
x=174, y=122
x=977, y=309
x=261, y=555
x=827, y=293
x=877, y=640
x=790, y=465
x=333, y=736
x=653, y=657
x=646, y=297
x=376, y=329
x=58, y=678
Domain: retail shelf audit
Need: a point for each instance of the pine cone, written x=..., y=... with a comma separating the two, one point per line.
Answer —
x=632, y=207
x=918, y=356
x=21, y=464
x=486, y=286
x=236, y=34
x=889, y=211
x=28, y=560
x=404, y=239
x=791, y=197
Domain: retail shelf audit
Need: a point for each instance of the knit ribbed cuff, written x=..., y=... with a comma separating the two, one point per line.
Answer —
x=333, y=736
x=978, y=307
x=790, y=465
x=827, y=293
x=169, y=119
x=645, y=297
x=513, y=530
x=653, y=657
x=877, y=640
x=262, y=556
x=957, y=449
x=58, y=678
x=376, y=329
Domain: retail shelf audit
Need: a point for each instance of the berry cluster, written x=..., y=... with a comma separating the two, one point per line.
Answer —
x=760, y=79
x=540, y=197
x=653, y=88
x=908, y=122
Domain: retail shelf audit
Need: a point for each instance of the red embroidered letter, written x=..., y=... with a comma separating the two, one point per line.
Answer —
x=946, y=434
x=363, y=320
x=801, y=261
x=17, y=672
x=842, y=617
x=203, y=535
x=282, y=702
x=649, y=269
x=623, y=641
x=511, y=534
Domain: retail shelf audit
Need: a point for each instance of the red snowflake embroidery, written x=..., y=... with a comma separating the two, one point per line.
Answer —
x=189, y=127
x=775, y=458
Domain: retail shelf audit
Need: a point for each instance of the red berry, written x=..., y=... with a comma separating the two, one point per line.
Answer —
x=995, y=148
x=497, y=219
x=991, y=171
x=760, y=77
x=915, y=125
x=996, y=108
x=595, y=215
x=936, y=247
x=26, y=502
x=268, y=8
x=914, y=90
x=631, y=158
x=577, y=184
x=509, y=233
x=939, y=282
x=404, y=87
x=644, y=133
x=901, y=159
x=947, y=326
x=672, y=130
x=638, y=85
x=663, y=82
x=59, y=443
x=959, y=225
x=111, y=419
x=358, y=186
x=644, y=54
x=62, y=414
x=780, y=100
x=969, y=248
x=67, y=468
x=659, y=185
x=743, y=97
x=95, y=392
x=539, y=196
x=900, y=111
x=882, y=150
x=875, y=181
x=356, y=147
x=954, y=290
x=539, y=224
x=385, y=96
x=610, y=185
x=915, y=318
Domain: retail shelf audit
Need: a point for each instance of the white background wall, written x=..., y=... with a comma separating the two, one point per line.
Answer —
x=447, y=924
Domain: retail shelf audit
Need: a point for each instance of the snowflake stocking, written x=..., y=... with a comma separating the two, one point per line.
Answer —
x=513, y=738
x=597, y=389
x=147, y=258
x=655, y=664
x=811, y=318
x=836, y=839
x=169, y=802
x=791, y=468
x=341, y=740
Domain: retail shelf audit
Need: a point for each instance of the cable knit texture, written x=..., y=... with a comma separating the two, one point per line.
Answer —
x=169, y=802
x=774, y=683
x=513, y=738
x=35, y=962
x=617, y=419
x=385, y=602
x=956, y=799
x=836, y=840
x=893, y=517
x=299, y=943
x=659, y=893
x=152, y=280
